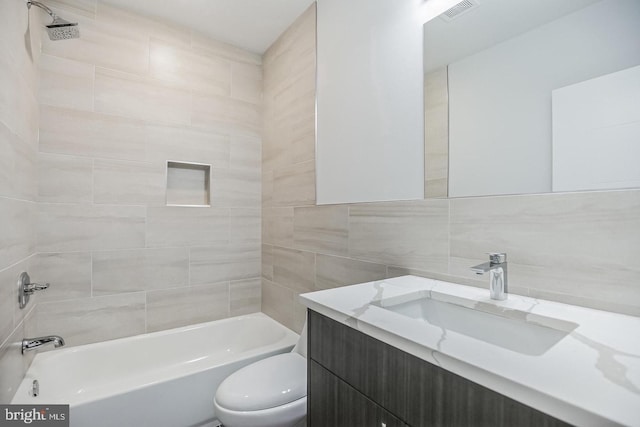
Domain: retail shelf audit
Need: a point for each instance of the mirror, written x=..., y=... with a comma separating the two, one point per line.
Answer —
x=532, y=96
x=369, y=139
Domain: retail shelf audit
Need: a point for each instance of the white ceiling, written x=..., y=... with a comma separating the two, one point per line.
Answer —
x=251, y=24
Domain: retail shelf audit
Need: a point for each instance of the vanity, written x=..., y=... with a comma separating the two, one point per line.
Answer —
x=412, y=351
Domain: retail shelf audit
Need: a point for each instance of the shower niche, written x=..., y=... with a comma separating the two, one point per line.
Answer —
x=188, y=184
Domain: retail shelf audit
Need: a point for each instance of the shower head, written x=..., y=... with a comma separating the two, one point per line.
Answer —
x=59, y=29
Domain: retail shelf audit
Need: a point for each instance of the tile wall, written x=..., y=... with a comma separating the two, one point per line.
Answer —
x=19, y=57
x=115, y=106
x=580, y=248
x=436, y=134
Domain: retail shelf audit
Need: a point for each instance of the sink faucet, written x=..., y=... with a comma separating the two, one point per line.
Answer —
x=29, y=344
x=497, y=267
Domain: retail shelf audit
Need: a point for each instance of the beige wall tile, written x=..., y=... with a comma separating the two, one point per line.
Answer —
x=18, y=95
x=277, y=302
x=128, y=95
x=143, y=26
x=125, y=182
x=63, y=227
x=186, y=226
x=186, y=144
x=18, y=239
x=226, y=115
x=245, y=225
x=80, y=7
x=295, y=185
x=294, y=269
x=172, y=308
x=139, y=270
x=333, y=272
x=322, y=229
x=246, y=82
x=277, y=226
x=206, y=45
x=267, y=188
x=294, y=50
x=245, y=153
x=10, y=313
x=66, y=83
x=64, y=179
x=294, y=122
x=224, y=262
x=267, y=262
x=13, y=364
x=17, y=166
x=405, y=234
x=236, y=188
x=18, y=28
x=436, y=152
x=276, y=153
x=559, y=243
x=245, y=296
x=189, y=69
x=6, y=303
x=80, y=133
x=89, y=320
x=68, y=273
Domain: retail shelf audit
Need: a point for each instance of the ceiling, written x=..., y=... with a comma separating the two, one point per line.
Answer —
x=251, y=24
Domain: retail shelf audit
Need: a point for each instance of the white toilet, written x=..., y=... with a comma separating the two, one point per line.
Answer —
x=269, y=393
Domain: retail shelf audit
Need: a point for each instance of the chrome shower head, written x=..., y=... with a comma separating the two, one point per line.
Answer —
x=59, y=29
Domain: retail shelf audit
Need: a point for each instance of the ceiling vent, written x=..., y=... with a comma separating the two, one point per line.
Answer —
x=459, y=9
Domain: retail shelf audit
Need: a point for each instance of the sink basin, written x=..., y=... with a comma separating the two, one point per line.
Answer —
x=511, y=329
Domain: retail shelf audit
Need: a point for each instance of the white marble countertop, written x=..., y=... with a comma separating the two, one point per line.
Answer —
x=589, y=377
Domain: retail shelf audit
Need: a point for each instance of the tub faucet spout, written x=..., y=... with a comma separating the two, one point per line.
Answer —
x=29, y=344
x=497, y=267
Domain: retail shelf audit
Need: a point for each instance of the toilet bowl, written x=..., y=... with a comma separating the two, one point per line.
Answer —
x=269, y=393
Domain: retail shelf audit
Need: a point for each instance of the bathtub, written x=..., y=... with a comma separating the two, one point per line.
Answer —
x=160, y=379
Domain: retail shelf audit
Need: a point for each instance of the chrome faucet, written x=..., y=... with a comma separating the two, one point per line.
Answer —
x=497, y=267
x=29, y=344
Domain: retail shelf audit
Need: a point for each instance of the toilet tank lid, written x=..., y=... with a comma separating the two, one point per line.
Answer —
x=268, y=383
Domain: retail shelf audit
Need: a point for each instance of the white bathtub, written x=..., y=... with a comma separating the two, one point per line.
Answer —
x=160, y=379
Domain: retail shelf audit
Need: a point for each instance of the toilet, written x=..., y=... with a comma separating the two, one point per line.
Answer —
x=269, y=393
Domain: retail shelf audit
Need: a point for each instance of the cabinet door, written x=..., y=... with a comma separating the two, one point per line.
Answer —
x=334, y=403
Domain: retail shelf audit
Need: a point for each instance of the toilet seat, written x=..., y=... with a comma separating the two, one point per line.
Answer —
x=270, y=392
x=285, y=415
x=268, y=383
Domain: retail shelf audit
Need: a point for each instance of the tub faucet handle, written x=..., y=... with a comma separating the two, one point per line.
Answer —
x=26, y=289
x=32, y=287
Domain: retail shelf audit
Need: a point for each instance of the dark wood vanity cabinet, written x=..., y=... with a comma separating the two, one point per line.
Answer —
x=358, y=381
x=337, y=404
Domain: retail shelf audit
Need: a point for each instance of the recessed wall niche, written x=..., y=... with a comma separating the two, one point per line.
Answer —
x=188, y=184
